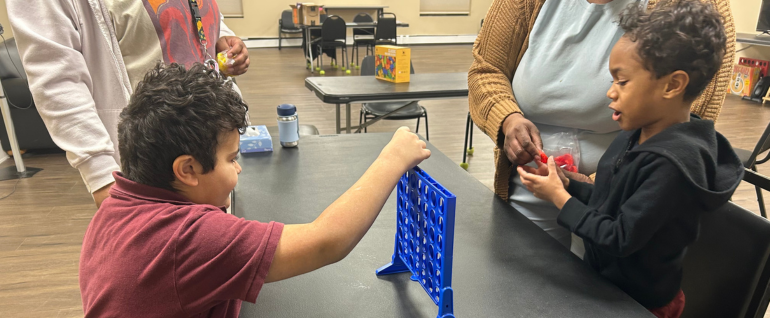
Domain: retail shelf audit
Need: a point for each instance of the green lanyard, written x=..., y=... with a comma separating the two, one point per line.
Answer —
x=197, y=21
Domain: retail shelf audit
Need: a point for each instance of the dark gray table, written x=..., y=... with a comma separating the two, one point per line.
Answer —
x=360, y=89
x=504, y=265
x=753, y=39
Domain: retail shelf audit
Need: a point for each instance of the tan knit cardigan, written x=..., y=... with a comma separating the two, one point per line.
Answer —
x=499, y=48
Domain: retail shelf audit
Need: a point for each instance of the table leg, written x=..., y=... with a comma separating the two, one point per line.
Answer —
x=338, y=119
x=347, y=118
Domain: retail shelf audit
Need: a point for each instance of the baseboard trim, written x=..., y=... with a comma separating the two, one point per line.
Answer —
x=402, y=40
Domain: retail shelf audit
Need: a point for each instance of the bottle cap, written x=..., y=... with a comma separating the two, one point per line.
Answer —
x=286, y=110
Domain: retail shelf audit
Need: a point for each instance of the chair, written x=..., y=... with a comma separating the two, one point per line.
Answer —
x=749, y=159
x=31, y=132
x=413, y=109
x=286, y=25
x=726, y=271
x=363, y=36
x=386, y=30
x=333, y=36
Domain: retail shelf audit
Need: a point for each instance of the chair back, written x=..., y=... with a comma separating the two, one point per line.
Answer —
x=726, y=270
x=333, y=29
x=287, y=21
x=10, y=62
x=363, y=17
x=386, y=28
x=762, y=145
x=367, y=66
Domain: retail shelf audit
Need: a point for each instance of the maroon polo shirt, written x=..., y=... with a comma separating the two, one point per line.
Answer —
x=150, y=252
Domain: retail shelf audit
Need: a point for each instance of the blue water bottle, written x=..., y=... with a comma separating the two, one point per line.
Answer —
x=288, y=125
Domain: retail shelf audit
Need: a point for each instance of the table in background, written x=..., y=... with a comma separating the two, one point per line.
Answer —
x=365, y=89
x=309, y=56
x=504, y=265
x=378, y=8
x=752, y=39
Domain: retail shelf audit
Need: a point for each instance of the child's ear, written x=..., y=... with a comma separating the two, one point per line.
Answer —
x=186, y=170
x=676, y=84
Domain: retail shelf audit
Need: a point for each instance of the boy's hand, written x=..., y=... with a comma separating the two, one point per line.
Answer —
x=550, y=187
x=405, y=149
x=542, y=170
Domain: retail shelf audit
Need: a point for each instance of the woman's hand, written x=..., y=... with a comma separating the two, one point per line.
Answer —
x=237, y=51
x=522, y=139
x=550, y=187
x=577, y=177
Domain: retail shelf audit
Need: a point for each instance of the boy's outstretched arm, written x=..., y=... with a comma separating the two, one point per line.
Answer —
x=328, y=239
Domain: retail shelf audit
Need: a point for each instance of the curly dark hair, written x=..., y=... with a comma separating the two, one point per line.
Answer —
x=685, y=35
x=175, y=112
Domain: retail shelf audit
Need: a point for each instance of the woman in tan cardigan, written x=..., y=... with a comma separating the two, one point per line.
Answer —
x=541, y=67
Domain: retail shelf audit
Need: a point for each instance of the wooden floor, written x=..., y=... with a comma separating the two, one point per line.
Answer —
x=42, y=224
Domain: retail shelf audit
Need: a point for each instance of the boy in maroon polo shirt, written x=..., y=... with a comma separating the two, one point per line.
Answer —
x=162, y=245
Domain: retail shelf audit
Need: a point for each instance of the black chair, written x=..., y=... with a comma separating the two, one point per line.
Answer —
x=286, y=25
x=363, y=36
x=413, y=109
x=386, y=30
x=726, y=271
x=31, y=132
x=749, y=159
x=333, y=36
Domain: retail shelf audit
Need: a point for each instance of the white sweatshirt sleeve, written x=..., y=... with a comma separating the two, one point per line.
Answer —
x=223, y=29
x=49, y=44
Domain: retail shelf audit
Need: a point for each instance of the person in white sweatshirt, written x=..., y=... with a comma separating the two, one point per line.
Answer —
x=83, y=58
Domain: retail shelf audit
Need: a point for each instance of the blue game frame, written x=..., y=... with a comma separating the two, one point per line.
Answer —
x=425, y=237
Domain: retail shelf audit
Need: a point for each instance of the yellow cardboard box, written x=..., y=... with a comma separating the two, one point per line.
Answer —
x=744, y=79
x=307, y=13
x=392, y=63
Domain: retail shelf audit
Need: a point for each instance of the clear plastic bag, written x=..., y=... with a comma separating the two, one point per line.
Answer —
x=225, y=62
x=565, y=149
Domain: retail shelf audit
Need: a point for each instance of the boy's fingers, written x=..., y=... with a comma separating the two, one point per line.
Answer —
x=529, y=169
x=551, y=164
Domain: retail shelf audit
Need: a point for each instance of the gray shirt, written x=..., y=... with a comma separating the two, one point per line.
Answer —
x=563, y=78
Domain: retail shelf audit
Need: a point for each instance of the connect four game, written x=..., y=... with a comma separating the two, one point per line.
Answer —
x=425, y=237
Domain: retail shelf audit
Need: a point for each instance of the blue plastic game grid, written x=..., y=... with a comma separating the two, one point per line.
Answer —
x=425, y=237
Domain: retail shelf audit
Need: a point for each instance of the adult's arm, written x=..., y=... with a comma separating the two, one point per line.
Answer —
x=709, y=104
x=49, y=44
x=496, y=53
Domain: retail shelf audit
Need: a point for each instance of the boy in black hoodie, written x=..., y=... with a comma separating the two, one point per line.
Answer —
x=664, y=170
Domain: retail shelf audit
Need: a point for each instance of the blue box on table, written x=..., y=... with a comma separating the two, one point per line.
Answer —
x=256, y=139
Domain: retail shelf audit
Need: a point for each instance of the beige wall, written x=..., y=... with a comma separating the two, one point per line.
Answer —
x=260, y=18
x=745, y=13
x=4, y=20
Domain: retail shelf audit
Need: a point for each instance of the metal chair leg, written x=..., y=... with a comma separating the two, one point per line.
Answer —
x=470, y=133
x=760, y=199
x=417, y=131
x=279, y=39
x=427, y=131
x=465, y=142
x=360, y=116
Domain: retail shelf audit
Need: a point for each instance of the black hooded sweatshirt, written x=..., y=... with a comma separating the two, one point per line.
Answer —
x=643, y=211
